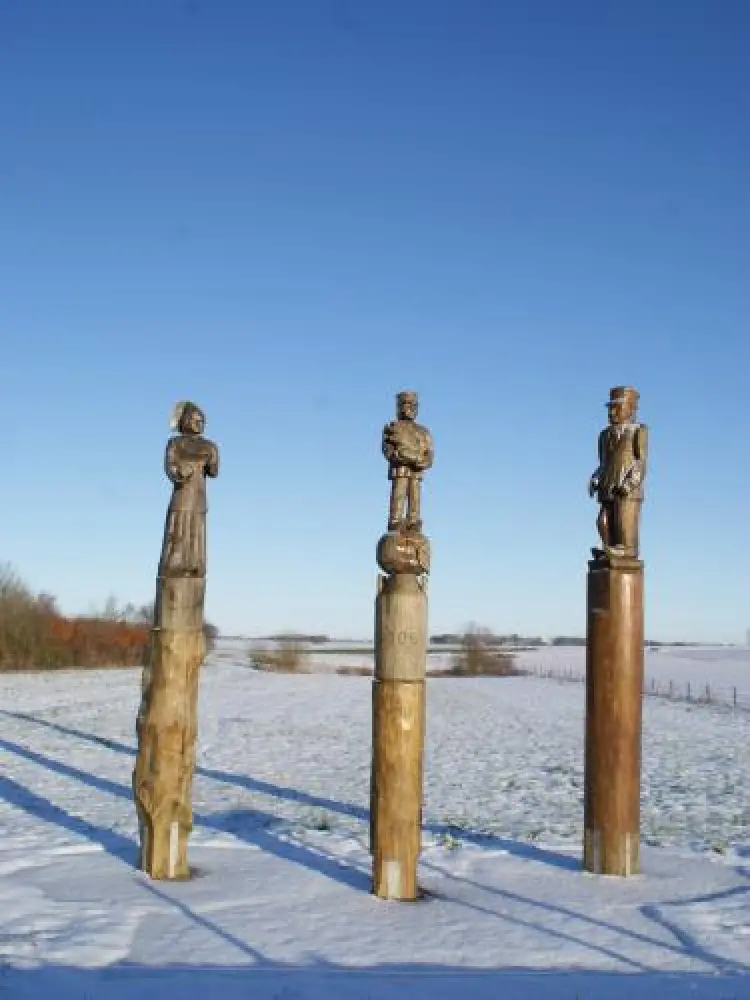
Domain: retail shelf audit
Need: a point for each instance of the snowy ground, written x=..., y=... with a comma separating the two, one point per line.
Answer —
x=280, y=907
x=723, y=668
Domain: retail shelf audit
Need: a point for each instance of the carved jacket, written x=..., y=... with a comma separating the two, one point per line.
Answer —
x=408, y=447
x=622, y=461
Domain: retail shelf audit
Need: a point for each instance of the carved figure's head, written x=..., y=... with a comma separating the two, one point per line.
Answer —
x=622, y=404
x=407, y=405
x=188, y=418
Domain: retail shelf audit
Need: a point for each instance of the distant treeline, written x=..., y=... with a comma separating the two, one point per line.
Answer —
x=299, y=637
x=488, y=638
x=34, y=635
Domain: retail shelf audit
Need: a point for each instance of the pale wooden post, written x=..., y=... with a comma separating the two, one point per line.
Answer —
x=398, y=691
x=167, y=717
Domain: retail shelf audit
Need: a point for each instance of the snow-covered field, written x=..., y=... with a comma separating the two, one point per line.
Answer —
x=723, y=668
x=280, y=906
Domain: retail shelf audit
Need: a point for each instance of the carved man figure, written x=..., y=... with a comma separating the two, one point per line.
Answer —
x=618, y=481
x=409, y=450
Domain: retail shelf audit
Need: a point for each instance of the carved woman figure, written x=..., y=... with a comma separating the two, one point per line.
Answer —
x=188, y=460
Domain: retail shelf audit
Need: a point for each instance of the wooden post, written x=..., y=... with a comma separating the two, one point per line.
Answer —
x=614, y=690
x=398, y=728
x=167, y=717
x=167, y=729
x=398, y=689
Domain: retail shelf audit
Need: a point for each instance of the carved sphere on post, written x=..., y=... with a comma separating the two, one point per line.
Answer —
x=404, y=552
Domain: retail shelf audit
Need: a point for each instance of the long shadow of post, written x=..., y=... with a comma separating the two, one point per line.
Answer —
x=239, y=780
x=530, y=852
x=686, y=945
x=113, y=843
x=263, y=838
x=260, y=834
x=255, y=826
x=396, y=981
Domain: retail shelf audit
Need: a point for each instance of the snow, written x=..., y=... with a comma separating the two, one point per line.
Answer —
x=724, y=669
x=280, y=904
x=725, y=666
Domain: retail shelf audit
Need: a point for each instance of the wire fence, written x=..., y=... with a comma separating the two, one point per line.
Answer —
x=703, y=693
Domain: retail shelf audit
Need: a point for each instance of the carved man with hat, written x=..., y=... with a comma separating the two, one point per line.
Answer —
x=409, y=450
x=618, y=481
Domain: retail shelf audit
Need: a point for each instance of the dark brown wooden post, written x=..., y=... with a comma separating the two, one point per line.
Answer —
x=615, y=648
x=614, y=691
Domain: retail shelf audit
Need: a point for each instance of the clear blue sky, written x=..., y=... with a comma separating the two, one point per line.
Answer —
x=288, y=211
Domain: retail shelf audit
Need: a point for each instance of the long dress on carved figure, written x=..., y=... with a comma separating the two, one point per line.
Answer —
x=187, y=461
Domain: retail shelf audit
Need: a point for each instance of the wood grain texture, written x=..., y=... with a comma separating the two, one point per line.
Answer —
x=614, y=693
x=166, y=723
x=167, y=733
x=398, y=719
x=401, y=629
x=398, y=693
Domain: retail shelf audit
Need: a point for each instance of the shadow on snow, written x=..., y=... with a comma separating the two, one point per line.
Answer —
x=528, y=852
x=257, y=827
x=319, y=980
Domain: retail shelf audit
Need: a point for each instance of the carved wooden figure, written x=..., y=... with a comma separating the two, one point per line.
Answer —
x=398, y=698
x=409, y=450
x=166, y=724
x=614, y=647
x=618, y=480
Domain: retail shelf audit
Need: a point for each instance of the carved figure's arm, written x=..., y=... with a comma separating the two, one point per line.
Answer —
x=640, y=447
x=390, y=443
x=596, y=474
x=428, y=452
x=212, y=466
x=636, y=474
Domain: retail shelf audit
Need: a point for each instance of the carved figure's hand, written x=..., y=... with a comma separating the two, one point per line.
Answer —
x=185, y=470
x=626, y=486
x=593, y=485
x=388, y=441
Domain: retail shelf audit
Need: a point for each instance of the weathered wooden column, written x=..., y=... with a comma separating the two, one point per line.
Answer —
x=398, y=693
x=615, y=648
x=167, y=718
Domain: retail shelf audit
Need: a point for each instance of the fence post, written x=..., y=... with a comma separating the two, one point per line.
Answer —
x=688, y=691
x=734, y=697
x=708, y=694
x=671, y=688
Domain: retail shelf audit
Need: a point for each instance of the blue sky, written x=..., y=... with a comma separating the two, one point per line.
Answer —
x=289, y=211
